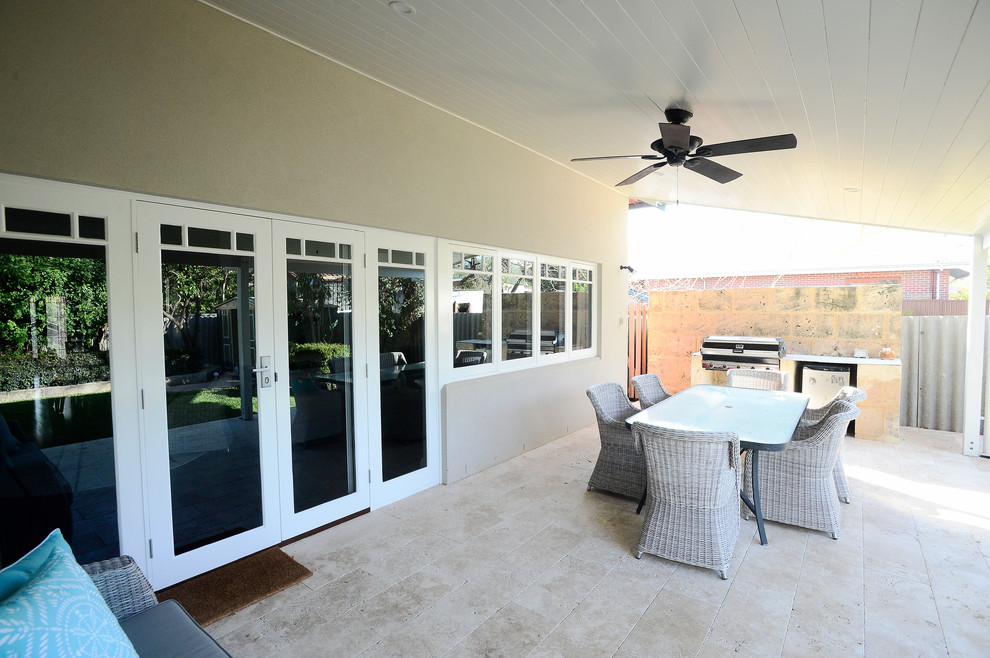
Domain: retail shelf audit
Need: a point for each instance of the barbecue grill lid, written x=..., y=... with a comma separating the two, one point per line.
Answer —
x=749, y=344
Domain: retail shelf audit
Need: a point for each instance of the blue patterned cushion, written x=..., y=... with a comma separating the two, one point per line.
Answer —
x=50, y=607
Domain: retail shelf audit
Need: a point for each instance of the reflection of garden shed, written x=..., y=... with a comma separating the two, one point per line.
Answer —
x=229, y=319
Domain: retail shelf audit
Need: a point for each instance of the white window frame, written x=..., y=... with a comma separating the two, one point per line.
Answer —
x=592, y=350
x=505, y=364
x=497, y=364
x=445, y=294
x=566, y=266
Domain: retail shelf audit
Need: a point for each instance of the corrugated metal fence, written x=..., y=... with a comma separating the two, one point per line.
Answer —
x=933, y=364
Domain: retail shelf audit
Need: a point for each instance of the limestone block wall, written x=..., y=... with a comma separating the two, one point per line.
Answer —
x=831, y=321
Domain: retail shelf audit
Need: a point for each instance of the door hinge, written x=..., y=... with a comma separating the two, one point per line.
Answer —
x=369, y=476
x=137, y=244
x=151, y=550
x=366, y=261
x=142, y=398
x=366, y=371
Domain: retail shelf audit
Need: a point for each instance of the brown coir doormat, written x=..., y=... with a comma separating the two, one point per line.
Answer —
x=232, y=587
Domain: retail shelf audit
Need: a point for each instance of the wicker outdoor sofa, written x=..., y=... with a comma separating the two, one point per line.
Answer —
x=155, y=629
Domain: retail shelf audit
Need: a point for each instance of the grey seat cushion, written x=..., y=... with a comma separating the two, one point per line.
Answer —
x=167, y=630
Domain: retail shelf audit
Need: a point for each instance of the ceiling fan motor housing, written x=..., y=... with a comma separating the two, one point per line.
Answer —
x=675, y=156
x=677, y=115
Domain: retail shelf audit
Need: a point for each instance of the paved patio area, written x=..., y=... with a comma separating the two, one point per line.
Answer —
x=522, y=560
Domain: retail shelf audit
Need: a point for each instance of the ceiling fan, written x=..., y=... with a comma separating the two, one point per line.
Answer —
x=678, y=147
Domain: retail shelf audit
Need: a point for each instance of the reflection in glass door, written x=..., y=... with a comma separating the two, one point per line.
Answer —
x=402, y=363
x=211, y=400
x=56, y=427
x=318, y=446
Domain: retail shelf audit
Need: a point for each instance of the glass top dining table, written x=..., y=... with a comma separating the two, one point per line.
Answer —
x=763, y=420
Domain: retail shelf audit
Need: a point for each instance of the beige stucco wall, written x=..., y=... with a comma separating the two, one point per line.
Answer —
x=180, y=100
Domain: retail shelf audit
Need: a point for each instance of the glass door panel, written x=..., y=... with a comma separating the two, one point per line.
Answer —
x=56, y=427
x=321, y=402
x=321, y=382
x=211, y=398
x=401, y=364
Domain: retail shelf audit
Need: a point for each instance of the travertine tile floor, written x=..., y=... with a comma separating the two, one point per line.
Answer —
x=522, y=560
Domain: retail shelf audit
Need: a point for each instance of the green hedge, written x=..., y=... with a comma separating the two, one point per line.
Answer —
x=18, y=371
x=315, y=356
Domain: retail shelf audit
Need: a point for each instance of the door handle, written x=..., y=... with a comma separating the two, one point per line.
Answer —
x=265, y=368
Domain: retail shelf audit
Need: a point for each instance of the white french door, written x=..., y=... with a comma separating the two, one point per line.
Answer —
x=206, y=348
x=322, y=387
x=403, y=392
x=288, y=381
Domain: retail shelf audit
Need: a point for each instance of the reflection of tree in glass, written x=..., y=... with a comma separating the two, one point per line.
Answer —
x=476, y=282
x=79, y=282
x=401, y=303
x=190, y=290
x=313, y=295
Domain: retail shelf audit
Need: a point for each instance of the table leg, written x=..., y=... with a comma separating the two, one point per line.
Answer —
x=754, y=505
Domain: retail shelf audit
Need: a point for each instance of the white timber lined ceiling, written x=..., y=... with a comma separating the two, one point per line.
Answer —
x=889, y=99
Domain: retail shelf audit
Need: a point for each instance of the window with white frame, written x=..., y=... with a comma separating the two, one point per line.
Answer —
x=553, y=302
x=473, y=307
x=544, y=310
x=582, y=308
x=517, y=308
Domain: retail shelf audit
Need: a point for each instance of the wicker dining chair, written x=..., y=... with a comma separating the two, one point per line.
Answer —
x=767, y=380
x=797, y=485
x=649, y=390
x=619, y=469
x=692, y=499
x=812, y=416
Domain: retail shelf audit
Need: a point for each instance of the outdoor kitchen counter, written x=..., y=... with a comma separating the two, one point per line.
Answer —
x=880, y=413
x=844, y=360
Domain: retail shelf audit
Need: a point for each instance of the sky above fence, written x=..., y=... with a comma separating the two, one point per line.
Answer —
x=693, y=241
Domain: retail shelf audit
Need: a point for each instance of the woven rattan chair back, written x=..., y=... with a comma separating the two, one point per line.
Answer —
x=797, y=485
x=767, y=380
x=811, y=416
x=619, y=469
x=692, y=501
x=649, y=390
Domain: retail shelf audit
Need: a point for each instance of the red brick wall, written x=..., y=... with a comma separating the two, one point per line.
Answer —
x=915, y=284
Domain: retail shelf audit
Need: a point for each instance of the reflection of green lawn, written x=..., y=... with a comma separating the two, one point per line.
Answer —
x=194, y=407
x=87, y=417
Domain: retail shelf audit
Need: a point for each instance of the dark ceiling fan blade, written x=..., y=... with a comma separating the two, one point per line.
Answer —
x=676, y=136
x=712, y=170
x=652, y=156
x=642, y=173
x=755, y=145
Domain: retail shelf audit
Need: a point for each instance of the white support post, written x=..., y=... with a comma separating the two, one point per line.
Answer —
x=976, y=357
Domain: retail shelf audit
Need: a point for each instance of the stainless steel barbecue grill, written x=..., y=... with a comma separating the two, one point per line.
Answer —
x=727, y=352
